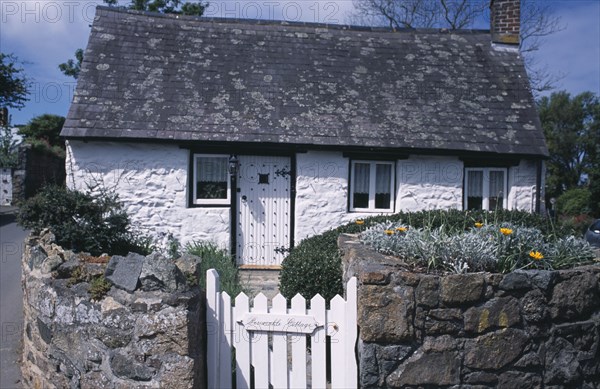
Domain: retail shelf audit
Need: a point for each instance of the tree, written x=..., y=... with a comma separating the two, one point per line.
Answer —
x=43, y=132
x=8, y=154
x=537, y=21
x=72, y=68
x=14, y=85
x=572, y=130
x=165, y=6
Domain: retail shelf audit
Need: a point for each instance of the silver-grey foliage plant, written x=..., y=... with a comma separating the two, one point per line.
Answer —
x=503, y=248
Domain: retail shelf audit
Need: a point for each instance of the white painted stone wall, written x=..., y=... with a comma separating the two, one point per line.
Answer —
x=321, y=193
x=151, y=181
x=427, y=182
x=522, y=186
x=6, y=186
x=322, y=189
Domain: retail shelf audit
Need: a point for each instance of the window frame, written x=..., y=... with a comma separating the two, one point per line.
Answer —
x=372, y=186
x=209, y=202
x=485, y=200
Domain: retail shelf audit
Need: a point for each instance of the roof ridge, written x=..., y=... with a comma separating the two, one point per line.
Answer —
x=285, y=23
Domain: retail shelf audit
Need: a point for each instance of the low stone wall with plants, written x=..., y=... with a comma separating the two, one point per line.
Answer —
x=100, y=322
x=523, y=329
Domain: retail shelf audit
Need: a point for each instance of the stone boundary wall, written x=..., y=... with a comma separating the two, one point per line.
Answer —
x=35, y=169
x=526, y=329
x=152, y=336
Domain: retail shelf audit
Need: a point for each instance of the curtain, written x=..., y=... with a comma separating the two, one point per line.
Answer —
x=383, y=178
x=496, y=184
x=361, y=177
x=212, y=169
x=475, y=184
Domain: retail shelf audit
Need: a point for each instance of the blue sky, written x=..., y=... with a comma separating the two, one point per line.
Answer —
x=44, y=33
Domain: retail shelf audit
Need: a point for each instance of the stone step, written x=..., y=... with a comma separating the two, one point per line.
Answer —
x=256, y=281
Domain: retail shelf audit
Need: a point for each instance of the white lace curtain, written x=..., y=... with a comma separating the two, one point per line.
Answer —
x=362, y=177
x=362, y=173
x=475, y=184
x=212, y=169
x=383, y=177
x=496, y=183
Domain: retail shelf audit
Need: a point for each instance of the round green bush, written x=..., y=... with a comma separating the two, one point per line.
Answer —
x=314, y=266
x=94, y=223
x=574, y=202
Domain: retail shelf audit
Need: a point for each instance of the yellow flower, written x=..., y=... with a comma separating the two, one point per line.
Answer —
x=402, y=229
x=506, y=231
x=360, y=222
x=536, y=255
x=478, y=225
x=389, y=232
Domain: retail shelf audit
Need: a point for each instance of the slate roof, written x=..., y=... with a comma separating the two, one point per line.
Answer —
x=165, y=77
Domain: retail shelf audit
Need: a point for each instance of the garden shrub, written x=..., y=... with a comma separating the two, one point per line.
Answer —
x=574, y=202
x=579, y=223
x=314, y=265
x=215, y=258
x=83, y=222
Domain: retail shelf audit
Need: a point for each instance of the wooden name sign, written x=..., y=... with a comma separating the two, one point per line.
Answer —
x=302, y=324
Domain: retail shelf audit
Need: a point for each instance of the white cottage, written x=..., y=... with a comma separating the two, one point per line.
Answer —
x=258, y=134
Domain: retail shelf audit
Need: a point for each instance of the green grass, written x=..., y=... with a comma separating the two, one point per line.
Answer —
x=215, y=258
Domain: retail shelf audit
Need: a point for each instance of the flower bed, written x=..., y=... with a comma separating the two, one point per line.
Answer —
x=501, y=247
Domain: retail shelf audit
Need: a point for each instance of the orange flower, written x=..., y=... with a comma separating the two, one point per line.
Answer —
x=536, y=255
x=506, y=231
x=401, y=229
x=478, y=225
x=360, y=222
x=389, y=232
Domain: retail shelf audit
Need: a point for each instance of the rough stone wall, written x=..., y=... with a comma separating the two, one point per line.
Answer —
x=429, y=183
x=526, y=329
x=6, y=194
x=147, y=338
x=522, y=186
x=152, y=182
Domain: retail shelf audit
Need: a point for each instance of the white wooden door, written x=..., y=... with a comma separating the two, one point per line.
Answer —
x=263, y=210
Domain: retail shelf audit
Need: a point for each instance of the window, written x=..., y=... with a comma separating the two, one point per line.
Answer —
x=211, y=180
x=372, y=187
x=485, y=188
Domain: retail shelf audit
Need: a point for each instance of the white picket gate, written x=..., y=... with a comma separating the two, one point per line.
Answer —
x=263, y=337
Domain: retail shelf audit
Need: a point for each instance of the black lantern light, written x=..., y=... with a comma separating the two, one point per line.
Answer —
x=233, y=165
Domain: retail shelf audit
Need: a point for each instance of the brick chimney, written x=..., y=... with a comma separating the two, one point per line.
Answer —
x=505, y=18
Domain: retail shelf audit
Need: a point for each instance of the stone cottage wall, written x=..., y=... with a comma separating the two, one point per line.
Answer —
x=429, y=182
x=151, y=180
x=147, y=338
x=522, y=186
x=526, y=329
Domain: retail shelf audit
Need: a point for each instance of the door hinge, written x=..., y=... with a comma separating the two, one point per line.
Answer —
x=282, y=250
x=283, y=172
